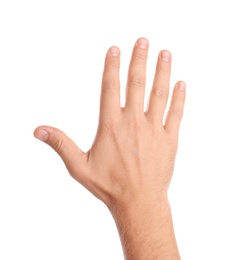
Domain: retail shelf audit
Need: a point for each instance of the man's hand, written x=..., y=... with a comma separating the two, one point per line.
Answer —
x=131, y=162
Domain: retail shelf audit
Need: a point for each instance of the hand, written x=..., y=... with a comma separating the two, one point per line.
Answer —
x=133, y=154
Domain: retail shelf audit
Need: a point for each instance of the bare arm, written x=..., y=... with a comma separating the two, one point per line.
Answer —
x=146, y=230
x=131, y=162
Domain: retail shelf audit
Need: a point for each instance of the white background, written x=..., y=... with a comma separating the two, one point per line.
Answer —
x=51, y=62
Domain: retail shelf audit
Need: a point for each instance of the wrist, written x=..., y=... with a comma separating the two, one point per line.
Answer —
x=141, y=208
x=146, y=229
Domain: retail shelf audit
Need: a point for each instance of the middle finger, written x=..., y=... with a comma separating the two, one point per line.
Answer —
x=137, y=77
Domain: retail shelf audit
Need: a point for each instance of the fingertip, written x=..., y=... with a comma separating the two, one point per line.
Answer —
x=181, y=86
x=165, y=55
x=114, y=51
x=41, y=133
x=142, y=43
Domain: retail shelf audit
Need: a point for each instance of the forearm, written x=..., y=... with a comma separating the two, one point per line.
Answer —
x=146, y=231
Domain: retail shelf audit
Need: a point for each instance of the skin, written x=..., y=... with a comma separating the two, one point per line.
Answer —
x=131, y=161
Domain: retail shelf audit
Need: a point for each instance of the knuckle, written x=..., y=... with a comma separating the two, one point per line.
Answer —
x=177, y=112
x=108, y=127
x=136, y=124
x=172, y=143
x=57, y=145
x=113, y=63
x=180, y=98
x=109, y=85
x=160, y=93
x=137, y=81
x=165, y=68
x=140, y=56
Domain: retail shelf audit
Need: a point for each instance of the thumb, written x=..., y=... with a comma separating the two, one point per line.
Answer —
x=73, y=157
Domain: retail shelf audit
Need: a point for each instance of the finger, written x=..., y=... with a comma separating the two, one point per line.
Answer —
x=110, y=94
x=137, y=77
x=72, y=156
x=159, y=93
x=176, y=108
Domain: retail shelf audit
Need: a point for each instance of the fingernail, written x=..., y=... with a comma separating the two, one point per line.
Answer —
x=181, y=86
x=114, y=51
x=165, y=55
x=142, y=43
x=42, y=135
